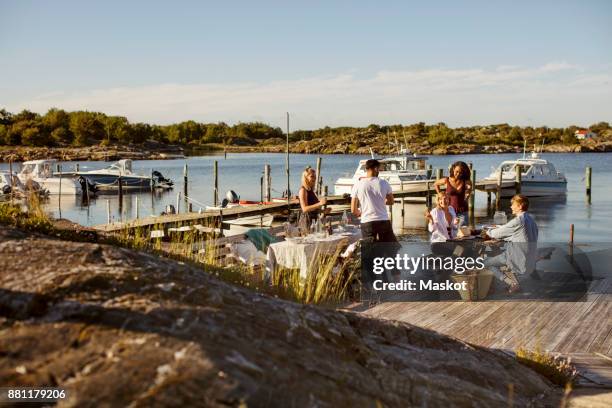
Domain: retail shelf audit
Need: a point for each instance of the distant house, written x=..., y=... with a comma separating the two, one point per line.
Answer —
x=585, y=134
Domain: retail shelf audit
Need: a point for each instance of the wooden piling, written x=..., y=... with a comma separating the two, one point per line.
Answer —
x=470, y=165
x=120, y=192
x=588, y=180
x=185, y=182
x=319, y=178
x=267, y=183
x=12, y=181
x=215, y=183
x=108, y=212
x=517, y=179
x=59, y=196
x=76, y=167
x=136, y=205
x=178, y=202
x=439, y=174
x=472, y=196
x=498, y=194
x=571, y=241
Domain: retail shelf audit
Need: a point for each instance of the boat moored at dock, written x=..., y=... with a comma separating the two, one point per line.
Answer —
x=41, y=172
x=108, y=178
x=539, y=177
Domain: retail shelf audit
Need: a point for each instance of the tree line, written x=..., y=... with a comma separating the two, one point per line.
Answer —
x=82, y=128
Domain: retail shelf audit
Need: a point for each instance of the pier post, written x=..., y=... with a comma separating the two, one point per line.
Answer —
x=120, y=192
x=472, y=196
x=108, y=212
x=268, y=183
x=319, y=178
x=136, y=205
x=588, y=183
x=11, y=178
x=59, y=196
x=470, y=165
x=185, y=182
x=429, y=173
x=403, y=209
x=178, y=202
x=517, y=181
x=571, y=240
x=216, y=183
x=261, y=198
x=76, y=167
x=499, y=190
x=325, y=195
x=439, y=174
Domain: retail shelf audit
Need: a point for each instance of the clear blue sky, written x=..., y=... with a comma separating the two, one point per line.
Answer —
x=68, y=52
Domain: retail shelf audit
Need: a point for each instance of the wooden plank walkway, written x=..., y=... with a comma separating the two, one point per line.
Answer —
x=581, y=330
x=211, y=217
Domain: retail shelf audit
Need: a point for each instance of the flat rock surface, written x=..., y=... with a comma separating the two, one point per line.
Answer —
x=120, y=328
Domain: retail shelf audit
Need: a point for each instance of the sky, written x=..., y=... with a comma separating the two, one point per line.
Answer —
x=327, y=63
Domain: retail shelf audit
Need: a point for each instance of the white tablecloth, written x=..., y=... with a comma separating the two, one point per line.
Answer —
x=305, y=254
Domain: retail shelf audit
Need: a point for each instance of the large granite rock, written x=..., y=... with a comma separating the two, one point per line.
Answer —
x=122, y=328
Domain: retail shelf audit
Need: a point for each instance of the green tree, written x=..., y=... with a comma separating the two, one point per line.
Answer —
x=33, y=136
x=61, y=136
x=86, y=128
x=116, y=128
x=441, y=135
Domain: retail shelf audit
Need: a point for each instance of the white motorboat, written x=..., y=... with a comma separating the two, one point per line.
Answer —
x=108, y=178
x=10, y=183
x=539, y=177
x=41, y=171
x=404, y=172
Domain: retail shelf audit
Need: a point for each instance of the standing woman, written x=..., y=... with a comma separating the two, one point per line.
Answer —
x=309, y=202
x=458, y=189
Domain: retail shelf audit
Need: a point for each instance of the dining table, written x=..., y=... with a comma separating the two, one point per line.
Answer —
x=305, y=253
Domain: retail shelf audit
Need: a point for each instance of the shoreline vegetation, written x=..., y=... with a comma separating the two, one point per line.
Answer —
x=83, y=135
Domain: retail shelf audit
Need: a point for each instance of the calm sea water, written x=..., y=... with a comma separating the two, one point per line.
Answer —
x=242, y=172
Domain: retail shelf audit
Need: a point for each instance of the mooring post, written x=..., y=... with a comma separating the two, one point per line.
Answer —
x=216, y=183
x=499, y=190
x=178, y=202
x=108, y=212
x=261, y=197
x=136, y=204
x=120, y=192
x=59, y=196
x=319, y=178
x=470, y=165
x=571, y=240
x=268, y=183
x=76, y=167
x=403, y=212
x=439, y=173
x=588, y=183
x=472, y=196
x=325, y=195
x=11, y=178
x=185, y=182
x=517, y=179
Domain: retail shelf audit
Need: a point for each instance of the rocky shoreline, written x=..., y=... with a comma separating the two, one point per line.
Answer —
x=158, y=151
x=115, y=327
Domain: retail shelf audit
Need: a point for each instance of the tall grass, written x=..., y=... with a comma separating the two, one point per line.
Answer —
x=558, y=369
x=329, y=282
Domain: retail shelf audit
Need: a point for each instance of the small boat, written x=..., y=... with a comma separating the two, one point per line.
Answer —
x=539, y=177
x=10, y=183
x=108, y=178
x=404, y=172
x=41, y=171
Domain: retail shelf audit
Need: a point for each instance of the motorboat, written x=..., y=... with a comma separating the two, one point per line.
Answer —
x=404, y=172
x=539, y=177
x=108, y=178
x=41, y=171
x=11, y=185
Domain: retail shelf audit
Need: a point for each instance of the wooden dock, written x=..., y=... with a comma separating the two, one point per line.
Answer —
x=215, y=217
x=581, y=330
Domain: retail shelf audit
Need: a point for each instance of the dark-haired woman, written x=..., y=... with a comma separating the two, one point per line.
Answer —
x=458, y=189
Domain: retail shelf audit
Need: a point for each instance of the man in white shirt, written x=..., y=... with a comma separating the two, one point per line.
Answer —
x=370, y=196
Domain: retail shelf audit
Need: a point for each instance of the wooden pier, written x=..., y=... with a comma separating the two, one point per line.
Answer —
x=216, y=217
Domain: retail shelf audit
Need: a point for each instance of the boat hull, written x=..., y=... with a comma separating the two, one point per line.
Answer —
x=107, y=182
x=537, y=189
x=345, y=186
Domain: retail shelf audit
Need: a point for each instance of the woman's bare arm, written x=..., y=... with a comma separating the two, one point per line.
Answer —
x=304, y=199
x=438, y=183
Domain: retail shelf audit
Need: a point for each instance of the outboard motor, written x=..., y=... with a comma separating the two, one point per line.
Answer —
x=232, y=197
x=87, y=186
x=160, y=180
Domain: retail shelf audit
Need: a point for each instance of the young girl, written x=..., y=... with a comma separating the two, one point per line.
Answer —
x=442, y=220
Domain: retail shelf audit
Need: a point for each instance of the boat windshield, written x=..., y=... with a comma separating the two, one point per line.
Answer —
x=415, y=164
x=510, y=167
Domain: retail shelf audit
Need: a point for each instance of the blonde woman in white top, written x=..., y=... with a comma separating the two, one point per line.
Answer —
x=442, y=220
